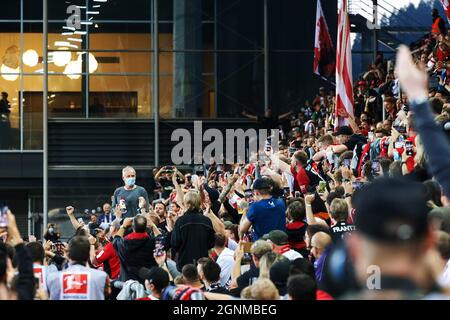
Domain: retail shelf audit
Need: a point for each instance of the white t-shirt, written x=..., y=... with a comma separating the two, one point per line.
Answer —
x=292, y=255
x=226, y=263
x=232, y=245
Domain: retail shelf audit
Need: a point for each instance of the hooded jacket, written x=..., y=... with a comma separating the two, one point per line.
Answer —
x=134, y=251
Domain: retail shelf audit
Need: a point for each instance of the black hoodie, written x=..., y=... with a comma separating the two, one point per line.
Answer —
x=135, y=251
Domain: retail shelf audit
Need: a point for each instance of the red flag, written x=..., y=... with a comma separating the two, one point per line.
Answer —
x=324, y=54
x=446, y=6
x=344, y=82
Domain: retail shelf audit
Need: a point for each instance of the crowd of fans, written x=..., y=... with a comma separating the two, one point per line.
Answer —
x=358, y=212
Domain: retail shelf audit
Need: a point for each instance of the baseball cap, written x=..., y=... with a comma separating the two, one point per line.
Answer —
x=277, y=237
x=156, y=276
x=262, y=183
x=260, y=247
x=227, y=224
x=391, y=210
x=344, y=130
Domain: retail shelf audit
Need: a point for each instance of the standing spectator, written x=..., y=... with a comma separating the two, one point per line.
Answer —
x=78, y=282
x=191, y=277
x=391, y=230
x=161, y=212
x=240, y=281
x=301, y=287
x=136, y=249
x=280, y=244
x=211, y=273
x=109, y=258
x=438, y=26
x=320, y=245
x=25, y=281
x=296, y=227
x=193, y=233
x=266, y=214
x=156, y=280
x=106, y=217
x=127, y=197
x=339, y=212
x=225, y=258
x=93, y=224
x=41, y=271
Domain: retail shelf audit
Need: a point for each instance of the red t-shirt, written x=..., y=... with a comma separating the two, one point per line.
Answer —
x=108, y=254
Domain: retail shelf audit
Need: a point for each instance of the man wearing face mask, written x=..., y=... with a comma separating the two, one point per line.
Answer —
x=127, y=197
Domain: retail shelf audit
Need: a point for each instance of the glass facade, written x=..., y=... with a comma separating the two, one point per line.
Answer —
x=212, y=61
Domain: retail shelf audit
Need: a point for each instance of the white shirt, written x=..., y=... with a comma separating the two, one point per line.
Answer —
x=226, y=263
x=232, y=245
x=292, y=255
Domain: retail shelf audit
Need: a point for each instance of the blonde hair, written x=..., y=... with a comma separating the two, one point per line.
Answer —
x=339, y=209
x=264, y=289
x=192, y=200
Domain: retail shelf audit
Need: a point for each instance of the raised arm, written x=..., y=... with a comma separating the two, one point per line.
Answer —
x=70, y=212
x=415, y=83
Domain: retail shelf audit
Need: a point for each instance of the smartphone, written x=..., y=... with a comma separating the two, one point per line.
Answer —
x=3, y=216
x=370, y=136
x=322, y=186
x=376, y=166
x=159, y=248
x=248, y=193
x=286, y=192
x=409, y=148
x=297, y=194
x=80, y=220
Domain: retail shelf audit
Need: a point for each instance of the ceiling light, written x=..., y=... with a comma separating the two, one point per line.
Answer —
x=30, y=58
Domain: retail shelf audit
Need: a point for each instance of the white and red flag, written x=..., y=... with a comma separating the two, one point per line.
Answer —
x=445, y=4
x=344, y=81
x=324, y=54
